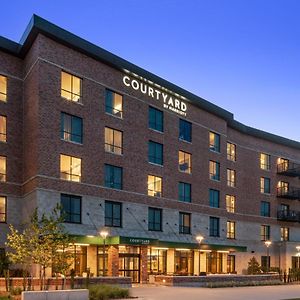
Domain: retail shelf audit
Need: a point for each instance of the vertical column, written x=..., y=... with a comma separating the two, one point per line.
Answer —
x=113, y=261
x=196, y=262
x=170, y=261
x=224, y=262
x=144, y=264
x=203, y=262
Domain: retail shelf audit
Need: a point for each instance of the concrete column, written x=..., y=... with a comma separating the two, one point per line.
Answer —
x=224, y=262
x=203, y=262
x=113, y=261
x=92, y=259
x=144, y=264
x=170, y=261
x=196, y=262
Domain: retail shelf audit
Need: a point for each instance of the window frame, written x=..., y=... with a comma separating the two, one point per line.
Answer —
x=189, y=163
x=213, y=200
x=216, y=167
x=4, y=94
x=185, y=131
x=63, y=131
x=4, y=175
x=154, y=210
x=214, y=232
x=109, y=184
x=72, y=94
x=5, y=210
x=71, y=175
x=154, y=185
x=113, y=146
x=230, y=182
x=283, y=231
x=157, y=159
x=265, y=232
x=106, y=106
x=263, y=211
x=112, y=218
x=216, y=145
x=183, y=229
x=231, y=155
x=183, y=196
x=263, y=181
x=3, y=135
x=229, y=207
x=231, y=231
x=155, y=123
x=266, y=166
x=64, y=213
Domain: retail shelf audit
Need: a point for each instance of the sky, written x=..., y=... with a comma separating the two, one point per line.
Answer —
x=242, y=55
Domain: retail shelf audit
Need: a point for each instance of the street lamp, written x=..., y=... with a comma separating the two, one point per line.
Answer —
x=199, y=239
x=268, y=244
x=104, y=235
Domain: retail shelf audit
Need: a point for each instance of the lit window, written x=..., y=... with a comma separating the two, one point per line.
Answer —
x=154, y=186
x=231, y=151
x=3, y=88
x=2, y=168
x=113, y=140
x=2, y=129
x=114, y=103
x=184, y=191
x=214, y=170
x=71, y=208
x=185, y=162
x=265, y=232
x=156, y=119
x=265, y=185
x=230, y=230
x=214, y=142
x=282, y=188
x=214, y=226
x=231, y=178
x=70, y=87
x=265, y=161
x=282, y=164
x=230, y=203
x=154, y=219
x=185, y=130
x=2, y=209
x=113, y=177
x=70, y=168
x=71, y=128
x=284, y=234
x=265, y=209
x=113, y=214
x=214, y=198
x=155, y=153
x=184, y=223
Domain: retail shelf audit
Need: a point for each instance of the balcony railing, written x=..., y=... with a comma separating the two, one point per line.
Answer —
x=288, y=193
x=288, y=215
x=289, y=169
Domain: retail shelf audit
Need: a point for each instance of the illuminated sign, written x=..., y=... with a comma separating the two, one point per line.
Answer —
x=169, y=102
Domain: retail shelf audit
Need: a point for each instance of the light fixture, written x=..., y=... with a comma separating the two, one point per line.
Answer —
x=104, y=234
x=268, y=243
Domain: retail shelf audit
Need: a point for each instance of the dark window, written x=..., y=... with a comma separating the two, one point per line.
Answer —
x=155, y=153
x=156, y=119
x=265, y=209
x=114, y=103
x=2, y=209
x=265, y=263
x=71, y=208
x=214, y=170
x=184, y=223
x=265, y=185
x=113, y=214
x=265, y=232
x=71, y=128
x=214, y=198
x=214, y=226
x=214, y=142
x=184, y=192
x=154, y=219
x=113, y=177
x=185, y=130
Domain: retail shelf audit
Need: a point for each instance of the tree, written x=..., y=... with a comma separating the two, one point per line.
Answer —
x=253, y=266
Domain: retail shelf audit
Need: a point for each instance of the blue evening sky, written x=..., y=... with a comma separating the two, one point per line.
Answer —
x=243, y=55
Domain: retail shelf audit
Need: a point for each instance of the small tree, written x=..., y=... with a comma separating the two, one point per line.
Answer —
x=253, y=266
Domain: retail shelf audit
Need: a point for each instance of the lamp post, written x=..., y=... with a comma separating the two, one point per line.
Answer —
x=199, y=239
x=104, y=235
x=268, y=244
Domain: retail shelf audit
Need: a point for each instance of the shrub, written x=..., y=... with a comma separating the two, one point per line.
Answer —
x=16, y=291
x=253, y=266
x=104, y=292
x=4, y=298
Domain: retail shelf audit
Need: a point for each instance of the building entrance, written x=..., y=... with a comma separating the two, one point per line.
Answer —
x=129, y=263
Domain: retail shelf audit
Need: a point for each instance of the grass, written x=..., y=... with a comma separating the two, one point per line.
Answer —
x=104, y=292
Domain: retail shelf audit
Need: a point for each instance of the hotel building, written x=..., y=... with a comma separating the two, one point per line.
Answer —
x=124, y=150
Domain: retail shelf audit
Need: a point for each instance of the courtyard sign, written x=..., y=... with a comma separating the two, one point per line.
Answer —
x=169, y=102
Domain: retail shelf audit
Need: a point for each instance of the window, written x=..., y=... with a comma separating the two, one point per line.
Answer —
x=71, y=128
x=284, y=234
x=282, y=164
x=2, y=168
x=230, y=263
x=70, y=87
x=265, y=209
x=114, y=103
x=113, y=177
x=2, y=209
x=284, y=207
x=214, y=226
x=70, y=168
x=231, y=178
x=3, y=88
x=214, y=198
x=154, y=219
x=265, y=185
x=154, y=186
x=184, y=192
x=155, y=153
x=231, y=151
x=185, y=130
x=2, y=129
x=71, y=208
x=230, y=230
x=265, y=232
x=214, y=141
x=282, y=188
x=156, y=119
x=265, y=262
x=185, y=162
x=113, y=214
x=184, y=223
x=214, y=170
x=113, y=141
x=265, y=161
x=230, y=203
